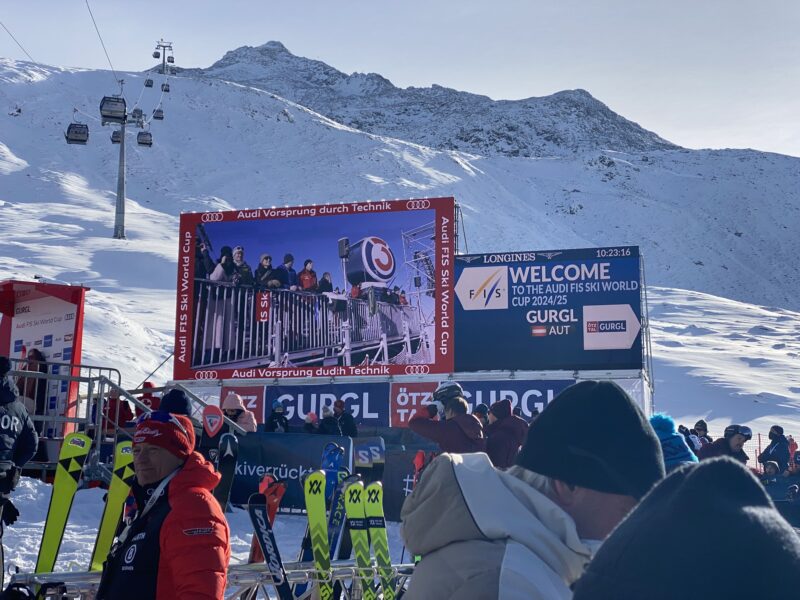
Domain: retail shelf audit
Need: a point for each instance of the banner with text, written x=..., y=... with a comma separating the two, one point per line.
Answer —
x=287, y=456
x=562, y=309
x=357, y=289
x=42, y=323
x=408, y=398
x=367, y=402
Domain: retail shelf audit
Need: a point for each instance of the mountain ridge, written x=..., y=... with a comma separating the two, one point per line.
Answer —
x=439, y=117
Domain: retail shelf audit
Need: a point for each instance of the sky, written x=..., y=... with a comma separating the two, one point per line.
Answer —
x=700, y=73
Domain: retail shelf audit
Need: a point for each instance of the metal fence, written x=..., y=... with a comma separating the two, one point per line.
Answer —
x=242, y=323
x=96, y=403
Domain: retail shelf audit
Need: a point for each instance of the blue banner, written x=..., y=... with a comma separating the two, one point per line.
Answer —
x=562, y=309
x=367, y=402
x=527, y=395
x=286, y=456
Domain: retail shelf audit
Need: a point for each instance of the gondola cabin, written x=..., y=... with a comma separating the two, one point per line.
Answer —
x=144, y=138
x=113, y=110
x=77, y=133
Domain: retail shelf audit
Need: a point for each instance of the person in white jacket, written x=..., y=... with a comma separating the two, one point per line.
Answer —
x=530, y=531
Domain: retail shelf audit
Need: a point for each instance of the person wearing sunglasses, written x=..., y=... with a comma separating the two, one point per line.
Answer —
x=178, y=543
x=731, y=444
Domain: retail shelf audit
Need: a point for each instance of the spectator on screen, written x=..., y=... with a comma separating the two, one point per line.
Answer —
x=325, y=284
x=308, y=277
x=265, y=275
x=286, y=274
x=244, y=274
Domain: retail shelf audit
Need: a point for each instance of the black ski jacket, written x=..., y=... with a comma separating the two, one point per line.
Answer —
x=18, y=439
x=347, y=424
x=277, y=422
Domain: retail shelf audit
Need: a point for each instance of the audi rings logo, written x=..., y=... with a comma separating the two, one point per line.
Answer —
x=211, y=217
x=418, y=204
x=418, y=369
x=206, y=375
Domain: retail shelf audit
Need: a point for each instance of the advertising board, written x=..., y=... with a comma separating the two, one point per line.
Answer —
x=406, y=399
x=42, y=324
x=554, y=310
x=357, y=289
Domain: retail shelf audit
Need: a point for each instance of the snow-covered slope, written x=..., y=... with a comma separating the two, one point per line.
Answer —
x=722, y=223
x=439, y=117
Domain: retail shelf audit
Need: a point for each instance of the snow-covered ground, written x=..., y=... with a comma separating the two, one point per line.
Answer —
x=32, y=497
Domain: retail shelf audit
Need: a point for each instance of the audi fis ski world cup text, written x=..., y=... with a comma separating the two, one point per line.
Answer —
x=354, y=289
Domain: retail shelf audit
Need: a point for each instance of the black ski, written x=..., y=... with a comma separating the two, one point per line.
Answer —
x=226, y=466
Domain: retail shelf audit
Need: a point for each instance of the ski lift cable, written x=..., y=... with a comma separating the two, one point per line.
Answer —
x=103, y=44
x=139, y=99
x=78, y=110
x=21, y=47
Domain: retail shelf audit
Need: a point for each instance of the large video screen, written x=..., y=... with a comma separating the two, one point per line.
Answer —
x=356, y=289
x=549, y=310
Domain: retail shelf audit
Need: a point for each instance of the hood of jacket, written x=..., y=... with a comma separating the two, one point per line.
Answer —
x=233, y=401
x=196, y=473
x=470, y=425
x=462, y=497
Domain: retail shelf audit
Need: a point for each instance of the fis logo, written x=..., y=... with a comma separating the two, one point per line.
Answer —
x=483, y=288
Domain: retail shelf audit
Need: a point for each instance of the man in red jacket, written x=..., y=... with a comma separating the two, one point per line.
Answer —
x=505, y=434
x=177, y=546
x=459, y=432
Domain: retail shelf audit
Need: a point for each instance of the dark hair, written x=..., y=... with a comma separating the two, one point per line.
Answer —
x=458, y=405
x=228, y=266
x=39, y=357
x=307, y=262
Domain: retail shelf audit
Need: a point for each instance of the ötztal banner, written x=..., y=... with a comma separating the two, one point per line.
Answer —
x=357, y=289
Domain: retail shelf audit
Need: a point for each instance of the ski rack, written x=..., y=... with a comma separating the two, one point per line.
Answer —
x=243, y=580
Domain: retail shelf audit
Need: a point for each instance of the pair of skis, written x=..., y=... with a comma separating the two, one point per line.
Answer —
x=364, y=506
x=364, y=509
x=332, y=474
x=69, y=472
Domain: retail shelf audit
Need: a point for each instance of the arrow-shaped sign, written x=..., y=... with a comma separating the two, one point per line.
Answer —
x=609, y=327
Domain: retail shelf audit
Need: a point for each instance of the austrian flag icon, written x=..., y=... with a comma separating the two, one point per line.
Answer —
x=538, y=331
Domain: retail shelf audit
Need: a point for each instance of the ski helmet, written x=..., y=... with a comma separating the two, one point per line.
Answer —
x=448, y=390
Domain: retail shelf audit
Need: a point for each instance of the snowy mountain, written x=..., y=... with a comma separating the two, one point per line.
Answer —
x=722, y=223
x=438, y=117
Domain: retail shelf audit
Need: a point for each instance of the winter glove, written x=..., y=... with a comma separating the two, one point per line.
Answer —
x=433, y=410
x=10, y=512
x=9, y=477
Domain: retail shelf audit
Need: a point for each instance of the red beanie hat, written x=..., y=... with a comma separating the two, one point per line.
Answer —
x=174, y=433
